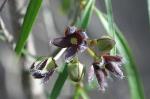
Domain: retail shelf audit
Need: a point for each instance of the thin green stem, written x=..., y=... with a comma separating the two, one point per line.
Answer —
x=91, y=53
x=110, y=19
x=59, y=54
x=76, y=93
x=80, y=92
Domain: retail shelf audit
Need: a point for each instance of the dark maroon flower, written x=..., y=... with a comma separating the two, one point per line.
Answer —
x=101, y=70
x=38, y=72
x=74, y=40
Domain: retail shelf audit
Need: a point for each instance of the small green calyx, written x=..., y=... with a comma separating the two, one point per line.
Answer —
x=75, y=70
x=105, y=43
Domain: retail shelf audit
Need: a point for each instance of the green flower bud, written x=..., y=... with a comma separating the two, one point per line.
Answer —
x=75, y=70
x=105, y=43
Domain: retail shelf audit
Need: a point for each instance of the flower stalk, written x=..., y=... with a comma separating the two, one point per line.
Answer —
x=91, y=53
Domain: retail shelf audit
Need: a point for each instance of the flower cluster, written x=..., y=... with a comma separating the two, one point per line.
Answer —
x=76, y=40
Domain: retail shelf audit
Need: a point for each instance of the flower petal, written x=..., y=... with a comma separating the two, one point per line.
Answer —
x=70, y=30
x=70, y=53
x=61, y=42
x=38, y=74
x=112, y=58
x=90, y=74
x=82, y=48
x=41, y=65
x=84, y=35
x=101, y=78
x=118, y=71
x=48, y=75
x=32, y=66
x=114, y=68
x=105, y=72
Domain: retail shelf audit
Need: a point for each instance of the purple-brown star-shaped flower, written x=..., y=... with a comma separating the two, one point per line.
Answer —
x=101, y=70
x=38, y=72
x=74, y=40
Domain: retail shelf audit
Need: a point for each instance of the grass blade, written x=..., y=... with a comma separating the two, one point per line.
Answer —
x=148, y=6
x=110, y=20
x=59, y=83
x=29, y=19
x=109, y=16
x=134, y=81
x=86, y=15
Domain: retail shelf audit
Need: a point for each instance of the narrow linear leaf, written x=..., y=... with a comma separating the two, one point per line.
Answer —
x=110, y=20
x=86, y=15
x=109, y=16
x=29, y=19
x=134, y=81
x=59, y=83
x=148, y=7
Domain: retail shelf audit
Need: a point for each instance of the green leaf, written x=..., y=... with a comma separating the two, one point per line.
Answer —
x=148, y=6
x=29, y=19
x=86, y=15
x=59, y=83
x=110, y=20
x=134, y=81
x=109, y=16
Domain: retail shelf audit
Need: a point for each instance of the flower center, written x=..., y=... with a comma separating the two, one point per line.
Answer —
x=74, y=41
